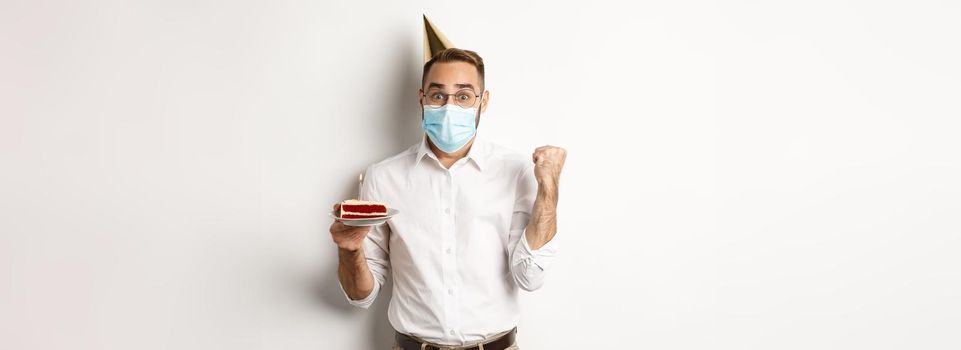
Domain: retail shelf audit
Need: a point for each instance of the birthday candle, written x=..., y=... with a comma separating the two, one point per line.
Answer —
x=360, y=184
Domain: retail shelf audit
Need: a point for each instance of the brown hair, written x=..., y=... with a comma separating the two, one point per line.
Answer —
x=454, y=55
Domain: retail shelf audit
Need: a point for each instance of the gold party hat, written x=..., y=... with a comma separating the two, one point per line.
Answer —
x=434, y=40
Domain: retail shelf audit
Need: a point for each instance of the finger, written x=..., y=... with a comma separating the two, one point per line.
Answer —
x=360, y=231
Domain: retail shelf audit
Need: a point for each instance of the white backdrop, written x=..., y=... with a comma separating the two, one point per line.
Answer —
x=777, y=175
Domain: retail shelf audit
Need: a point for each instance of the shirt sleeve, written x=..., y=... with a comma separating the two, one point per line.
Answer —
x=528, y=266
x=376, y=246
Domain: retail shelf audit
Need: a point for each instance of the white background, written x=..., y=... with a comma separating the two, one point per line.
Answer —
x=741, y=174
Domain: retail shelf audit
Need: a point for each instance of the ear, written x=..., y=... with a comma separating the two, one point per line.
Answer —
x=420, y=105
x=484, y=99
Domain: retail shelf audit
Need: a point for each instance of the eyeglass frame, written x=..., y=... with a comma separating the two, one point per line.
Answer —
x=479, y=97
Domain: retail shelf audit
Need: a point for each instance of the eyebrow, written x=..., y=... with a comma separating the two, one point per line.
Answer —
x=459, y=86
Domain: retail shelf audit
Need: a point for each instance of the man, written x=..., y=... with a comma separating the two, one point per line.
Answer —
x=476, y=222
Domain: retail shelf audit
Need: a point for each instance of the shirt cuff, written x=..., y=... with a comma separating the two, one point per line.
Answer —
x=541, y=257
x=365, y=302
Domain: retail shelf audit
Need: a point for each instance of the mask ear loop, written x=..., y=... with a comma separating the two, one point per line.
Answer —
x=479, y=105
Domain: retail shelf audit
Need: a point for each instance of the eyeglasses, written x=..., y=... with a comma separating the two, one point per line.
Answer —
x=463, y=98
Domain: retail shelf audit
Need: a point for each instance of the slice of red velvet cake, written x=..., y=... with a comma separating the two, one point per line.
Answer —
x=358, y=209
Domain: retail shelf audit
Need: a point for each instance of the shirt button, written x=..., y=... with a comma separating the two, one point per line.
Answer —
x=448, y=250
x=446, y=210
x=451, y=332
x=450, y=291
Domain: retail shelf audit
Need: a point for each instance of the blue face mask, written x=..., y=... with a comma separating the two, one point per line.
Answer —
x=450, y=126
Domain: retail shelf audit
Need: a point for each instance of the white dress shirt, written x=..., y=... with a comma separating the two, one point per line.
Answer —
x=456, y=250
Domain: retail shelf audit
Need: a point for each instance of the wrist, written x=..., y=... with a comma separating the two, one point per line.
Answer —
x=547, y=186
x=349, y=251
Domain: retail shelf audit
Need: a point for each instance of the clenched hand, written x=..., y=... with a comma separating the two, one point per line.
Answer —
x=548, y=162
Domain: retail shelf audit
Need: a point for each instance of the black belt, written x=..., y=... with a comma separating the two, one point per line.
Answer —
x=407, y=342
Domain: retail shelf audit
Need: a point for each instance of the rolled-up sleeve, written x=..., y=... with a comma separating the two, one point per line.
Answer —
x=376, y=247
x=528, y=266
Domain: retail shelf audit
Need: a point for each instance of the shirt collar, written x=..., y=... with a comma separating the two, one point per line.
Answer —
x=478, y=153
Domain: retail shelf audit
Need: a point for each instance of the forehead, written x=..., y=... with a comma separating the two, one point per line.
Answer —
x=451, y=73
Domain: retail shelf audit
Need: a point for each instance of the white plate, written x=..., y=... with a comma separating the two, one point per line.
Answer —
x=364, y=222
